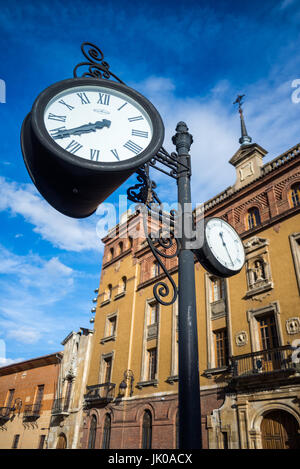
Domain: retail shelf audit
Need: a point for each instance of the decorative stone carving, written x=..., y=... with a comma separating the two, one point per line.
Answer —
x=241, y=338
x=258, y=271
x=293, y=325
x=246, y=171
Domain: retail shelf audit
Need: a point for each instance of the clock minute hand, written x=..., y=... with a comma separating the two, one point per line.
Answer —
x=224, y=244
x=82, y=129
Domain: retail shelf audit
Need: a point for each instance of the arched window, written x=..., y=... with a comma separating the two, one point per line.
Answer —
x=130, y=242
x=120, y=247
x=61, y=442
x=253, y=218
x=111, y=254
x=147, y=430
x=93, y=431
x=123, y=284
x=106, y=432
x=294, y=195
x=109, y=292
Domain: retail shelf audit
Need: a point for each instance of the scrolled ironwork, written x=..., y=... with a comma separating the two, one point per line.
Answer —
x=161, y=289
x=97, y=67
x=144, y=191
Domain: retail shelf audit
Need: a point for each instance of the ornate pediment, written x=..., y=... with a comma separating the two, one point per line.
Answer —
x=255, y=243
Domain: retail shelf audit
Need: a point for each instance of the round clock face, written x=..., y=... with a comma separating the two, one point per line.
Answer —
x=98, y=123
x=225, y=244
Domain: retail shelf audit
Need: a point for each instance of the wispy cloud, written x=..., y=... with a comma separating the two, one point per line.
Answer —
x=272, y=121
x=63, y=232
x=287, y=3
x=35, y=294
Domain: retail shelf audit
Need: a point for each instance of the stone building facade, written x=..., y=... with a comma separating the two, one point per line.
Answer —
x=27, y=392
x=248, y=326
x=67, y=409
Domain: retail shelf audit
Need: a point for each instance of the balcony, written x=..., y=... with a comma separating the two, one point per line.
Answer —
x=32, y=411
x=60, y=407
x=265, y=366
x=4, y=413
x=99, y=394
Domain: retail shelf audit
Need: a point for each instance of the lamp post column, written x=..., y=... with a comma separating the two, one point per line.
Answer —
x=189, y=386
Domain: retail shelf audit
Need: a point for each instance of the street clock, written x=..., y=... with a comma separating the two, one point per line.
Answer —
x=84, y=137
x=222, y=252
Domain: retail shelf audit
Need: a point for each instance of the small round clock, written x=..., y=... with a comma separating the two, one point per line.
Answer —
x=84, y=137
x=222, y=252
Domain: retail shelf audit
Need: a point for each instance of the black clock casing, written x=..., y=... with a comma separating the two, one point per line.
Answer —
x=208, y=260
x=72, y=185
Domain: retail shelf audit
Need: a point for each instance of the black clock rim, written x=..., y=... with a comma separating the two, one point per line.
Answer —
x=207, y=258
x=41, y=133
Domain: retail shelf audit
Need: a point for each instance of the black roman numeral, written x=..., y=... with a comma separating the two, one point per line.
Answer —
x=115, y=153
x=61, y=101
x=84, y=98
x=119, y=109
x=104, y=99
x=57, y=118
x=139, y=133
x=94, y=154
x=130, y=145
x=137, y=118
x=73, y=147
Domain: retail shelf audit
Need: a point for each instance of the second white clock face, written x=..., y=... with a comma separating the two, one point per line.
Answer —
x=98, y=124
x=225, y=244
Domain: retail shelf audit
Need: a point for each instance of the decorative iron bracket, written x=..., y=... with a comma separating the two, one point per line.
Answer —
x=144, y=193
x=97, y=67
x=170, y=161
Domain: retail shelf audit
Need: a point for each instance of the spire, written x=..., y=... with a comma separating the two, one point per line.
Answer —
x=245, y=139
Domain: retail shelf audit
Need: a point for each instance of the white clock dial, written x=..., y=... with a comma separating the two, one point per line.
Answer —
x=225, y=244
x=98, y=124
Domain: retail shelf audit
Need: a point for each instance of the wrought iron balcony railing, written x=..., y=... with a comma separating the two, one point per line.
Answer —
x=5, y=413
x=264, y=361
x=100, y=393
x=32, y=411
x=60, y=406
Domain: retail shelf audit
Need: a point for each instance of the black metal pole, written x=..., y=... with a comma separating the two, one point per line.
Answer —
x=189, y=386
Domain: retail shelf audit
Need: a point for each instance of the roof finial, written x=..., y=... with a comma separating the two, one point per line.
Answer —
x=245, y=139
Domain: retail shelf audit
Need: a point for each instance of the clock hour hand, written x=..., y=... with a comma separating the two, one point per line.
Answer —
x=225, y=246
x=82, y=129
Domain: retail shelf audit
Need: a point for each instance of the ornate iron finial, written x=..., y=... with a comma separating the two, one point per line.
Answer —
x=245, y=139
x=97, y=67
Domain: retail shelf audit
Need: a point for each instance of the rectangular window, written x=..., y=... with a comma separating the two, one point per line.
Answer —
x=152, y=361
x=111, y=326
x=41, y=441
x=221, y=347
x=15, y=441
x=39, y=394
x=68, y=395
x=268, y=332
x=217, y=289
x=153, y=314
x=107, y=369
x=9, y=399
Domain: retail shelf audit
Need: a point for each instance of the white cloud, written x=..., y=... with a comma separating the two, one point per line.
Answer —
x=10, y=361
x=30, y=290
x=63, y=232
x=272, y=121
x=25, y=335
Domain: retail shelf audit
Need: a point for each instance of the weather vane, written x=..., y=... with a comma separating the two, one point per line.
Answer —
x=238, y=101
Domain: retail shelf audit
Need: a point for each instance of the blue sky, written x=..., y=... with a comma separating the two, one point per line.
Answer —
x=191, y=60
